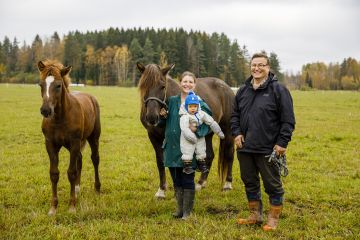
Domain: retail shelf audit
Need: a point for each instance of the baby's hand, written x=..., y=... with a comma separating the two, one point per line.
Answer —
x=221, y=135
x=193, y=128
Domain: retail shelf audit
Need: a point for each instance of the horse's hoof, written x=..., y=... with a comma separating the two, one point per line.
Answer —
x=77, y=190
x=97, y=187
x=227, y=186
x=160, y=194
x=72, y=209
x=52, y=211
x=198, y=187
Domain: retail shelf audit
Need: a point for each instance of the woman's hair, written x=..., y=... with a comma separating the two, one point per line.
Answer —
x=187, y=73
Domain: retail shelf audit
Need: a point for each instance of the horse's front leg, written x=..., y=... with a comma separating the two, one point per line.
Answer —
x=72, y=172
x=53, y=152
x=209, y=159
x=157, y=145
x=162, y=175
x=78, y=176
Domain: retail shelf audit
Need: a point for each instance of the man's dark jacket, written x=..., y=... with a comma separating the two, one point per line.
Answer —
x=264, y=116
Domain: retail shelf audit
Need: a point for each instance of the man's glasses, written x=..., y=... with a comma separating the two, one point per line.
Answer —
x=260, y=65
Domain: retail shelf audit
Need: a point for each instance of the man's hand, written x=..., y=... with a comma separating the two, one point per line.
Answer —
x=279, y=150
x=239, y=140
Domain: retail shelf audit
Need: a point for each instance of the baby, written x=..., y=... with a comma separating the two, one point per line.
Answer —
x=191, y=117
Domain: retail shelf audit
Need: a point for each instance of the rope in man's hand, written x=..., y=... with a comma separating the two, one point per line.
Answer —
x=279, y=162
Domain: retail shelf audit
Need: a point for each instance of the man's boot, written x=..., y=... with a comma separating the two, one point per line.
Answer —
x=189, y=195
x=273, y=218
x=255, y=216
x=201, y=164
x=179, y=195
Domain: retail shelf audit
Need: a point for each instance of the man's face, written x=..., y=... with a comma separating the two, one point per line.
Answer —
x=192, y=108
x=259, y=68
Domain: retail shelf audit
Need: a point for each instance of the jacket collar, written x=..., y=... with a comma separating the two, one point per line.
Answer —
x=271, y=78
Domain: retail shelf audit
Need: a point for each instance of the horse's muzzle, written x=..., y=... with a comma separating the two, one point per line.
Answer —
x=152, y=120
x=45, y=111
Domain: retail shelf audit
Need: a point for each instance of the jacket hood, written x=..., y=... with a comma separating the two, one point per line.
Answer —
x=183, y=110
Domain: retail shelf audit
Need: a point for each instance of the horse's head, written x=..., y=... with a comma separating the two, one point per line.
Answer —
x=53, y=82
x=153, y=87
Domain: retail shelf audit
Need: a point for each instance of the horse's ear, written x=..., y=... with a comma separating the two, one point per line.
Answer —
x=140, y=67
x=41, y=66
x=65, y=71
x=165, y=70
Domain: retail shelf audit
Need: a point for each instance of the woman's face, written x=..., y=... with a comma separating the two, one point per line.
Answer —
x=187, y=84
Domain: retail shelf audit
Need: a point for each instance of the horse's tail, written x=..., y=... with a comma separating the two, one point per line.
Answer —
x=226, y=157
x=226, y=147
x=222, y=163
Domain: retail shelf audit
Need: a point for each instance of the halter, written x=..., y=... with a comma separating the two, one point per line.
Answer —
x=162, y=102
x=279, y=162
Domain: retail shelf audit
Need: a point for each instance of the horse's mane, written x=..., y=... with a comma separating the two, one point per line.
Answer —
x=54, y=67
x=149, y=78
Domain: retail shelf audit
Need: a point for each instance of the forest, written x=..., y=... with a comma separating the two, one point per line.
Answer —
x=109, y=57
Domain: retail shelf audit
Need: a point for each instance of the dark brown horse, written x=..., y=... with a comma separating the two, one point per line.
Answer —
x=70, y=119
x=155, y=87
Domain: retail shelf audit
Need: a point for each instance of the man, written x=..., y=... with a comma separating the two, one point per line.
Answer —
x=262, y=121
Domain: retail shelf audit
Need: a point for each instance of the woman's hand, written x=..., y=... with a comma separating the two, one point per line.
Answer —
x=163, y=113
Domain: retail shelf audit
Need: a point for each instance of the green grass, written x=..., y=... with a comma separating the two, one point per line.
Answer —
x=322, y=189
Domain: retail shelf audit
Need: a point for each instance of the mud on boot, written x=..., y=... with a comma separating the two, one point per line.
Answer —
x=255, y=216
x=188, y=203
x=273, y=218
x=179, y=196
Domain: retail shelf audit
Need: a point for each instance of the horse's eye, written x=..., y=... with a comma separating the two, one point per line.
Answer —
x=58, y=86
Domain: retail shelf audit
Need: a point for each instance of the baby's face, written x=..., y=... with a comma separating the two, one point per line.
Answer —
x=192, y=108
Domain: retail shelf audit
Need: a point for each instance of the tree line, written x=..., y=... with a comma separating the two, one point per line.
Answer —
x=332, y=76
x=109, y=57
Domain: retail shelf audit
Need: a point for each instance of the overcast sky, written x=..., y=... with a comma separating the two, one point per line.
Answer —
x=299, y=31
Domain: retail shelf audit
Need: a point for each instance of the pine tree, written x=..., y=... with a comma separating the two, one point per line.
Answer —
x=136, y=55
x=235, y=65
x=13, y=56
x=224, y=53
x=36, y=52
x=148, y=51
x=213, y=69
x=73, y=55
x=275, y=66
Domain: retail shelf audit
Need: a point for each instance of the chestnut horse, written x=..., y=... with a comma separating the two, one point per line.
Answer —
x=155, y=87
x=70, y=119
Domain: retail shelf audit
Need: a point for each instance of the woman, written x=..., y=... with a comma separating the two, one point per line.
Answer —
x=184, y=184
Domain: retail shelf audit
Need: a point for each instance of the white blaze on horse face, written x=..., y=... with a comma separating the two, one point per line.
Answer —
x=48, y=80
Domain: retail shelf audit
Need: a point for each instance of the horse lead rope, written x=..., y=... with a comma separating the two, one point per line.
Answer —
x=279, y=162
x=165, y=91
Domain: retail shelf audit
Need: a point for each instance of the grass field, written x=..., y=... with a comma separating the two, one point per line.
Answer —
x=322, y=199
